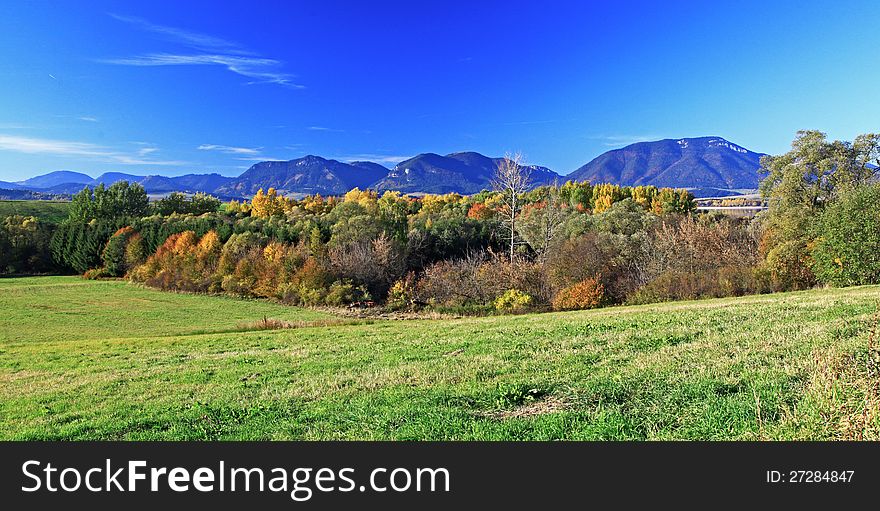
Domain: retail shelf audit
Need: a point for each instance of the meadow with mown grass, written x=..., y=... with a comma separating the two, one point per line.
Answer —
x=47, y=211
x=86, y=359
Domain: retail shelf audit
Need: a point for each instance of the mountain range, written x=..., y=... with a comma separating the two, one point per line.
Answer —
x=710, y=164
x=68, y=182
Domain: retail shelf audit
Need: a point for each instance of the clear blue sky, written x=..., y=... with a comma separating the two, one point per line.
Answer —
x=177, y=87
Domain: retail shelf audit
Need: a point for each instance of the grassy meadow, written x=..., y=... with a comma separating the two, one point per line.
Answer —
x=110, y=360
x=49, y=211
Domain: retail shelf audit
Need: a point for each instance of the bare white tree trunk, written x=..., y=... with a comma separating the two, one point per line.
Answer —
x=551, y=222
x=512, y=179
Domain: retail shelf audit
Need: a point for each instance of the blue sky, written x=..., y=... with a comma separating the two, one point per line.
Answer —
x=176, y=87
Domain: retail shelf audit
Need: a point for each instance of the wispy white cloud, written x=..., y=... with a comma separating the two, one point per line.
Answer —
x=257, y=68
x=229, y=149
x=376, y=158
x=261, y=158
x=144, y=151
x=88, y=118
x=29, y=145
x=205, y=50
x=526, y=123
x=324, y=128
x=623, y=140
x=186, y=37
x=14, y=126
x=240, y=153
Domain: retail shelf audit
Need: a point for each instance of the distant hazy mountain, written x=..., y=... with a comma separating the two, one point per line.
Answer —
x=369, y=173
x=705, y=162
x=108, y=178
x=465, y=172
x=307, y=175
x=64, y=188
x=59, y=177
x=201, y=182
x=66, y=182
x=154, y=184
x=6, y=185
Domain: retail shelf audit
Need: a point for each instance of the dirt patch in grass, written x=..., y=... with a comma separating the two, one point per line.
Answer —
x=550, y=404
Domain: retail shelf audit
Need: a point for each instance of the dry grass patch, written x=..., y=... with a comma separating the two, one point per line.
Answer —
x=842, y=396
x=279, y=324
x=549, y=404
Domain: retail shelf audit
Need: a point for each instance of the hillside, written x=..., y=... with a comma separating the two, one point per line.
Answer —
x=52, y=179
x=183, y=366
x=46, y=210
x=307, y=175
x=65, y=182
x=705, y=162
x=465, y=172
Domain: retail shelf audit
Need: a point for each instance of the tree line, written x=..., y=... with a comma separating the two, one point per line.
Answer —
x=565, y=246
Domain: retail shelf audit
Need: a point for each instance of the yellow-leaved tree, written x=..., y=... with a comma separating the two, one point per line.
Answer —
x=265, y=205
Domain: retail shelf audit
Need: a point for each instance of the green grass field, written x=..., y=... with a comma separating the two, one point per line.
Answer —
x=50, y=211
x=110, y=360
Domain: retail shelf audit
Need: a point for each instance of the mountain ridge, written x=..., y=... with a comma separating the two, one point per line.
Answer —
x=700, y=162
x=710, y=163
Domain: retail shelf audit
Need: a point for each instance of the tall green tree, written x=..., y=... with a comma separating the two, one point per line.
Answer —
x=120, y=200
x=847, y=249
x=197, y=204
x=798, y=186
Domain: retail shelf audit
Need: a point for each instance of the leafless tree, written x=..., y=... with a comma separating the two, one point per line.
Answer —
x=455, y=281
x=512, y=179
x=375, y=263
x=541, y=227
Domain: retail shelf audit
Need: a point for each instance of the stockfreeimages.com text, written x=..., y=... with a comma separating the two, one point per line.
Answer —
x=300, y=483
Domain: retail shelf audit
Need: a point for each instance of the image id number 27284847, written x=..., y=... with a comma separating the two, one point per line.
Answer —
x=810, y=476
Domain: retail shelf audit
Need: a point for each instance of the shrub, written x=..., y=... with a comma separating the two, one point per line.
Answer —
x=788, y=265
x=848, y=249
x=707, y=283
x=478, y=279
x=586, y=294
x=24, y=245
x=341, y=293
x=312, y=275
x=375, y=264
x=513, y=300
x=310, y=296
x=497, y=274
x=235, y=248
x=578, y=259
x=173, y=266
x=452, y=282
x=402, y=293
x=97, y=273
